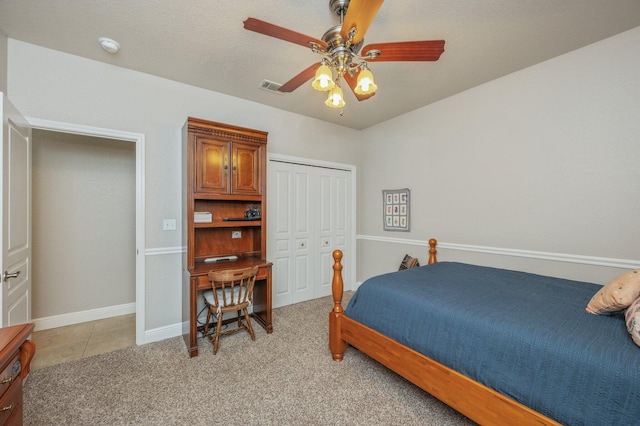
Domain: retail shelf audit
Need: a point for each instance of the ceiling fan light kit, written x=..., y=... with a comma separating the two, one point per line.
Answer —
x=340, y=47
x=324, y=79
x=335, y=98
x=365, y=84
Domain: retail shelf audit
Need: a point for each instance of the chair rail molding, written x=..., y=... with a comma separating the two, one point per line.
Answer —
x=531, y=254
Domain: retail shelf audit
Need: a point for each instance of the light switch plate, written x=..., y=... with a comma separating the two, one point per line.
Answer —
x=169, y=225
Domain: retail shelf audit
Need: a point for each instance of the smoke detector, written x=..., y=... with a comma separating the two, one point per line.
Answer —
x=109, y=45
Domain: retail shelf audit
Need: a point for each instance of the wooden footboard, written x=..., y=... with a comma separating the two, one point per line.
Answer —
x=476, y=401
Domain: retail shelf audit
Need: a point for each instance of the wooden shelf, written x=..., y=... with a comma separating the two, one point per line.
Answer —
x=229, y=224
x=214, y=197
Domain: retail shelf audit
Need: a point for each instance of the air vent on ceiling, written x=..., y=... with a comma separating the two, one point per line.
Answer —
x=271, y=86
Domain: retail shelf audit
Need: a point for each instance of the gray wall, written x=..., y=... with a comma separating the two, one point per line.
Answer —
x=543, y=160
x=83, y=221
x=3, y=62
x=540, y=160
x=50, y=85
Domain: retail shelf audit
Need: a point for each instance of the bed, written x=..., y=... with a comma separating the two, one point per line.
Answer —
x=499, y=346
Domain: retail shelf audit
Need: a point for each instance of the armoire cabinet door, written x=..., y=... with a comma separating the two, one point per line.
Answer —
x=246, y=169
x=224, y=167
x=212, y=166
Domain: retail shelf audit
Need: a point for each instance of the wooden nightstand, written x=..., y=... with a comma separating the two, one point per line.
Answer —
x=16, y=353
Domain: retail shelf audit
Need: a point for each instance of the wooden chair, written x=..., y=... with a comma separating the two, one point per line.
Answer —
x=231, y=290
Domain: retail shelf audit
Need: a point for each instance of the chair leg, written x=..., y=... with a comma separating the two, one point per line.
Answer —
x=239, y=314
x=216, y=340
x=206, y=324
x=248, y=320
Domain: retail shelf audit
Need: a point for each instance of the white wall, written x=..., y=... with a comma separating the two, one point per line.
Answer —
x=543, y=160
x=84, y=200
x=3, y=62
x=49, y=85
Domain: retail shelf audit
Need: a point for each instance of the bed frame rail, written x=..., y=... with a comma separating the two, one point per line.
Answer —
x=476, y=401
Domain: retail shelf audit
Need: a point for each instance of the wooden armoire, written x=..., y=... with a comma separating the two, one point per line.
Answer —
x=223, y=214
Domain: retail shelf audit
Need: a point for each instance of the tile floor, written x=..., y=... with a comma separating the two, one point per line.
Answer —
x=73, y=342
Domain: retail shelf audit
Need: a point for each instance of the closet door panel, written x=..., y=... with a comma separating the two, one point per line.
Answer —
x=341, y=207
x=303, y=211
x=340, y=223
x=326, y=195
x=302, y=288
x=281, y=289
x=281, y=233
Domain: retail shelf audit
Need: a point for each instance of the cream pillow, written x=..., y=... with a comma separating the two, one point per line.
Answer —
x=632, y=318
x=617, y=295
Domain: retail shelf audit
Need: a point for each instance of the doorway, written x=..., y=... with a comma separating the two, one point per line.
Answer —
x=83, y=244
x=136, y=140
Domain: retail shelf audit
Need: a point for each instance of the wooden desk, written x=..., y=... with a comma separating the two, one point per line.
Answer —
x=197, y=281
x=16, y=353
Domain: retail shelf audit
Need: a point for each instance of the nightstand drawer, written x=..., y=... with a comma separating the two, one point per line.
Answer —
x=9, y=375
x=11, y=404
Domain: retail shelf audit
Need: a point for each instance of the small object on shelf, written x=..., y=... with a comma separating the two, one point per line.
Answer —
x=232, y=219
x=252, y=213
x=202, y=217
x=220, y=259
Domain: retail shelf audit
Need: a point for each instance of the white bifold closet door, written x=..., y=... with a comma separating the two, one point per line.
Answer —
x=309, y=216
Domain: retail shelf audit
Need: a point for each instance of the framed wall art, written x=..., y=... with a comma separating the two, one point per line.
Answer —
x=395, y=209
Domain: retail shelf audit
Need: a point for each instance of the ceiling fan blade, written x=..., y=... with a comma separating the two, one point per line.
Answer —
x=299, y=79
x=262, y=27
x=360, y=14
x=427, y=50
x=352, y=82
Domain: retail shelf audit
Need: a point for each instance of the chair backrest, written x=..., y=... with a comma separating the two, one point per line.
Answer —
x=233, y=287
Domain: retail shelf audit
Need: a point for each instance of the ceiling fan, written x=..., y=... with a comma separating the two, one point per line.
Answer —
x=340, y=48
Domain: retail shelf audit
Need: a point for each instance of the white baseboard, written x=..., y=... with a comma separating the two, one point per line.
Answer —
x=162, y=333
x=173, y=330
x=83, y=316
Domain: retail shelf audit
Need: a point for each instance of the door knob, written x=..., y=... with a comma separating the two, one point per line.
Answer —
x=6, y=275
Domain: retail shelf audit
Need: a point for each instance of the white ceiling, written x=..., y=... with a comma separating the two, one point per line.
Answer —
x=203, y=43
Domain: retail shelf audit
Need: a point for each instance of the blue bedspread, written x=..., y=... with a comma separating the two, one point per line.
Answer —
x=526, y=336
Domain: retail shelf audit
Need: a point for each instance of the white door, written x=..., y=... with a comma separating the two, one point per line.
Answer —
x=16, y=217
x=280, y=231
x=334, y=225
x=289, y=233
x=303, y=228
x=308, y=217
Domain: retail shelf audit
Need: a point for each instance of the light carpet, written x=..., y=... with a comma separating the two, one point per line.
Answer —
x=283, y=378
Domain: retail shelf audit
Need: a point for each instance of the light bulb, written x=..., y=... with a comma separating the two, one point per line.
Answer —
x=335, y=98
x=323, y=80
x=365, y=84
